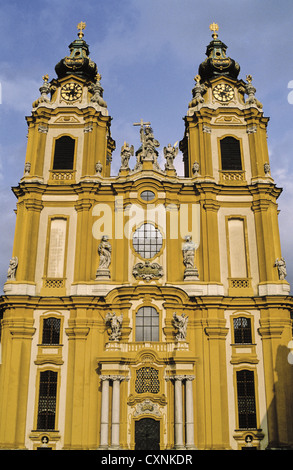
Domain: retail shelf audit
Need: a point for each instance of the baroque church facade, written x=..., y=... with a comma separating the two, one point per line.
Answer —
x=146, y=310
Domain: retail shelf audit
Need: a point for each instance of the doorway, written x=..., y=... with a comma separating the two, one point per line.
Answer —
x=147, y=434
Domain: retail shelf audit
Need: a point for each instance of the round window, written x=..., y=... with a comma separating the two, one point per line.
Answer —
x=147, y=195
x=147, y=241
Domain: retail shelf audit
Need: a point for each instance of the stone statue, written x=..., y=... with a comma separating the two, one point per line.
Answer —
x=105, y=251
x=126, y=153
x=170, y=153
x=98, y=168
x=27, y=168
x=12, y=268
x=147, y=150
x=281, y=265
x=180, y=322
x=188, y=250
x=195, y=168
x=267, y=168
x=115, y=324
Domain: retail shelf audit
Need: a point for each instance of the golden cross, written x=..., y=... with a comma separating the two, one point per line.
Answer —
x=81, y=26
x=214, y=27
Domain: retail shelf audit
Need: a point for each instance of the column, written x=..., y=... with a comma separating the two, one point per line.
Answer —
x=104, y=412
x=178, y=413
x=115, y=435
x=189, y=423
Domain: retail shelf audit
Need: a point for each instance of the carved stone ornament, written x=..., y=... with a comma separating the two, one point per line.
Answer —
x=147, y=407
x=147, y=271
x=97, y=91
x=197, y=93
x=44, y=90
x=250, y=91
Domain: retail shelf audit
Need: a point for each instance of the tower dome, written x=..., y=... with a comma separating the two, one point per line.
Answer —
x=78, y=62
x=217, y=63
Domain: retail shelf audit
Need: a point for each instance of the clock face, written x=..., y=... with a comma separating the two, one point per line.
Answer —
x=71, y=92
x=223, y=92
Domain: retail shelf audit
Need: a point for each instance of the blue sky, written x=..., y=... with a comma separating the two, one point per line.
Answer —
x=147, y=52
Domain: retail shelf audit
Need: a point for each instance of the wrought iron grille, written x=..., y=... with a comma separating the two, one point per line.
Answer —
x=147, y=380
x=47, y=400
x=51, y=331
x=246, y=399
x=242, y=330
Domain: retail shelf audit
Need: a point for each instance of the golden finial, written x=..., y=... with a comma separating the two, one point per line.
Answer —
x=81, y=26
x=98, y=77
x=197, y=78
x=45, y=78
x=214, y=27
x=249, y=78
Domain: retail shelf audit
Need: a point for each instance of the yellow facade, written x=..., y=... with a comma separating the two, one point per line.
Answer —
x=92, y=354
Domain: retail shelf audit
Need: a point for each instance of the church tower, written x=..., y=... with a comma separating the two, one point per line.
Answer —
x=146, y=310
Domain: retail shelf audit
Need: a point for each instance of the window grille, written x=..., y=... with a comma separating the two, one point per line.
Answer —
x=147, y=241
x=47, y=400
x=246, y=399
x=230, y=154
x=51, y=330
x=147, y=324
x=147, y=380
x=64, y=153
x=242, y=330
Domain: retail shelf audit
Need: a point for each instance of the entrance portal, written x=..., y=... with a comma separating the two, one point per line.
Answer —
x=147, y=434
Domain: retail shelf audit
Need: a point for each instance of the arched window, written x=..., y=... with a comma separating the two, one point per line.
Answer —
x=230, y=154
x=64, y=153
x=246, y=399
x=242, y=330
x=147, y=324
x=47, y=400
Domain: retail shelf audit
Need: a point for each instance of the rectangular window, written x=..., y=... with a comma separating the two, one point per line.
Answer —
x=57, y=243
x=51, y=330
x=47, y=400
x=246, y=399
